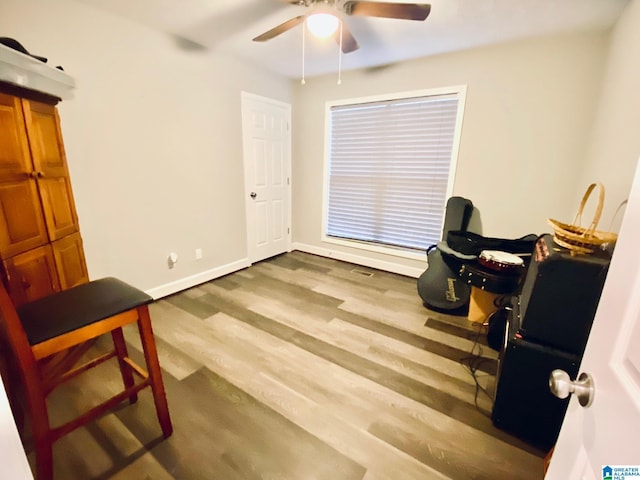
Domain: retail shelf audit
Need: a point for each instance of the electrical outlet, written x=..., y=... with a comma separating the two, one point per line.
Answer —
x=198, y=253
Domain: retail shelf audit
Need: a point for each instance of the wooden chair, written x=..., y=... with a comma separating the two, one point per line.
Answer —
x=43, y=340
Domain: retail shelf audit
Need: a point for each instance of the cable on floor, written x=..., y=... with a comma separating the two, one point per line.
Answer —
x=475, y=359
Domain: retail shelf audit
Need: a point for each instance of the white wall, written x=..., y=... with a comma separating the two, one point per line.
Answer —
x=153, y=136
x=153, y=140
x=529, y=109
x=614, y=145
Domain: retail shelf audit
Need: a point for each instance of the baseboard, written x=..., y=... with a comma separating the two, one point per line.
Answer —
x=392, y=267
x=208, y=275
x=197, y=279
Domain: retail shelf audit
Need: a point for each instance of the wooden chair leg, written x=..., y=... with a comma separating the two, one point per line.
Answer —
x=41, y=431
x=11, y=380
x=125, y=371
x=153, y=365
x=44, y=460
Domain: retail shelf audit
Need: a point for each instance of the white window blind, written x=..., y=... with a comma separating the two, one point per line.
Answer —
x=389, y=167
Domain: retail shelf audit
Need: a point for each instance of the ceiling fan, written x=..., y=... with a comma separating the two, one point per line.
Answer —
x=331, y=12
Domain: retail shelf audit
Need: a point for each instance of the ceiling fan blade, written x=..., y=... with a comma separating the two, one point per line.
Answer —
x=349, y=43
x=403, y=11
x=283, y=27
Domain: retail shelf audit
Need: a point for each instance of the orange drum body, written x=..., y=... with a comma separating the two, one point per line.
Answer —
x=497, y=273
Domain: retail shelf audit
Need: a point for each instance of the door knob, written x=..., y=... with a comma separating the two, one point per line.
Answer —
x=562, y=386
x=253, y=194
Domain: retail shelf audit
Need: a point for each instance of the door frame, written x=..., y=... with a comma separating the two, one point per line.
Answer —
x=248, y=186
x=603, y=433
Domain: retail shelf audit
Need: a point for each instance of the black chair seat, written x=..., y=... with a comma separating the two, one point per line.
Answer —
x=49, y=342
x=66, y=311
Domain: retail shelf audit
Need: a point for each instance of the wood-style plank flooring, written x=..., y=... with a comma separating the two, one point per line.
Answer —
x=300, y=367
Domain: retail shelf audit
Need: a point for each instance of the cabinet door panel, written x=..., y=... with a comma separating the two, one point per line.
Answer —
x=21, y=222
x=14, y=150
x=70, y=262
x=40, y=245
x=50, y=165
x=59, y=209
x=45, y=138
x=32, y=275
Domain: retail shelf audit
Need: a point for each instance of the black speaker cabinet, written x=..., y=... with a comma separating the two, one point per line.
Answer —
x=559, y=296
x=524, y=406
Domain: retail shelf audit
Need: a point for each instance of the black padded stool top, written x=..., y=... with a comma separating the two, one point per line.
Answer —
x=78, y=307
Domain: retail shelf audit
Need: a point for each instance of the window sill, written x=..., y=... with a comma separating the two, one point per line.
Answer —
x=364, y=246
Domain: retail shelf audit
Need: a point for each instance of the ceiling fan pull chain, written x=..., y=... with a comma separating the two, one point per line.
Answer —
x=304, y=31
x=340, y=57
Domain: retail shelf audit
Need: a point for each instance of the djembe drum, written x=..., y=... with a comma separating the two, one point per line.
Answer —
x=495, y=274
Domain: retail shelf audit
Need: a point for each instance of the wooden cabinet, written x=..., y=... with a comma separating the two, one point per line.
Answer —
x=40, y=243
x=68, y=256
x=31, y=275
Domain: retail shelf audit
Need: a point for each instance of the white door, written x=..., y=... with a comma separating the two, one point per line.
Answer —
x=606, y=433
x=267, y=162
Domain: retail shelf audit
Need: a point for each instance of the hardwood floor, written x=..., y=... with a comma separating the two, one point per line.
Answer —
x=301, y=367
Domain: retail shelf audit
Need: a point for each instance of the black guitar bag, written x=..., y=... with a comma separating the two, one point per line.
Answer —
x=469, y=243
x=440, y=287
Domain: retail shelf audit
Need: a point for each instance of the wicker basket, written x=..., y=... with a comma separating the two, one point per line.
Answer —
x=577, y=238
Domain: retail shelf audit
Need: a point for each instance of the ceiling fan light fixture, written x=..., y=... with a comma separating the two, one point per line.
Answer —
x=322, y=24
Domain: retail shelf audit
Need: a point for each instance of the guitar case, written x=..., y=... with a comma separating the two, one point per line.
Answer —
x=440, y=287
x=469, y=243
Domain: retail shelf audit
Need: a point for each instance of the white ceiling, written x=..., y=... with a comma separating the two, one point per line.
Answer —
x=229, y=25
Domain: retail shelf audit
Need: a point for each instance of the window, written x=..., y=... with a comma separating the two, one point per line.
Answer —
x=391, y=163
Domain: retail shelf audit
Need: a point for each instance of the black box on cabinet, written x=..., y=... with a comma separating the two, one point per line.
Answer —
x=560, y=294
